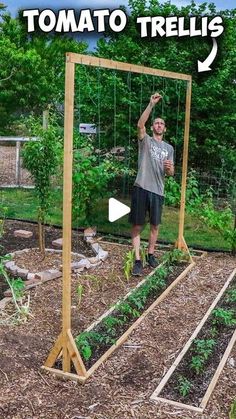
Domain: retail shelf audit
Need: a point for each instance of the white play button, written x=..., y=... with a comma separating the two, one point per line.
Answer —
x=117, y=210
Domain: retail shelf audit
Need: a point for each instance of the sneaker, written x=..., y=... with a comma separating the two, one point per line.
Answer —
x=152, y=261
x=137, y=268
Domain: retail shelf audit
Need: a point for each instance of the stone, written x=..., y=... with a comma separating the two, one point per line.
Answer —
x=90, y=232
x=23, y=233
x=83, y=263
x=7, y=293
x=93, y=260
x=22, y=273
x=31, y=276
x=48, y=275
x=57, y=243
x=13, y=269
x=30, y=282
x=9, y=264
x=102, y=254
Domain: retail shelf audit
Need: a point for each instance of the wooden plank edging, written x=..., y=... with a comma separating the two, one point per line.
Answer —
x=66, y=375
x=155, y=394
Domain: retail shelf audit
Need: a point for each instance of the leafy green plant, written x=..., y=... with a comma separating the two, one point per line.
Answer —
x=219, y=220
x=223, y=317
x=110, y=323
x=197, y=363
x=83, y=344
x=91, y=176
x=231, y=296
x=172, y=191
x=126, y=309
x=175, y=256
x=129, y=260
x=18, y=287
x=232, y=413
x=184, y=386
x=3, y=211
x=42, y=158
x=213, y=332
x=17, y=290
x=204, y=347
x=79, y=291
x=193, y=196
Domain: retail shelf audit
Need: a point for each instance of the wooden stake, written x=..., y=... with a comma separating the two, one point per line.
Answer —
x=181, y=244
x=65, y=341
x=53, y=355
x=67, y=206
x=65, y=375
x=75, y=355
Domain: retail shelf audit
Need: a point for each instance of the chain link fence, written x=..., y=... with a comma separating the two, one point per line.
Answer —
x=12, y=174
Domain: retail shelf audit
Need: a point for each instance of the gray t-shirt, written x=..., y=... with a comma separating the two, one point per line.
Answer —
x=151, y=173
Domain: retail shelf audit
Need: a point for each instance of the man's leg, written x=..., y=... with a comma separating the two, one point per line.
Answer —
x=152, y=261
x=138, y=266
x=152, y=238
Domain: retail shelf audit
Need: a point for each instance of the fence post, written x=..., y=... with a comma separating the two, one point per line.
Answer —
x=45, y=119
x=18, y=163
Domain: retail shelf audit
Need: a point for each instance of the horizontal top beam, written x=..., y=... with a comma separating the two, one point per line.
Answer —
x=118, y=65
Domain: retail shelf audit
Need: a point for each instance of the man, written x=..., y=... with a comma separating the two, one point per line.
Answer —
x=155, y=161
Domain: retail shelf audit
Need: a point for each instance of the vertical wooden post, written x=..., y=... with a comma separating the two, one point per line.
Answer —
x=67, y=204
x=45, y=119
x=181, y=244
x=18, y=163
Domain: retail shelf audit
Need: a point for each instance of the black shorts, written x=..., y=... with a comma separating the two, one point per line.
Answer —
x=143, y=201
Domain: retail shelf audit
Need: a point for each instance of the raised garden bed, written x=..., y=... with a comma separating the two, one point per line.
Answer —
x=105, y=335
x=194, y=374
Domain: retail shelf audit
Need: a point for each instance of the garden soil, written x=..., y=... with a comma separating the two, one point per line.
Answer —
x=122, y=386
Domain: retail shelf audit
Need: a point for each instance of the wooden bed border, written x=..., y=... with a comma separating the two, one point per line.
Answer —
x=82, y=378
x=155, y=395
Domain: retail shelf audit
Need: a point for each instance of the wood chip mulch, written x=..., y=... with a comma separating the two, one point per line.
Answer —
x=121, y=387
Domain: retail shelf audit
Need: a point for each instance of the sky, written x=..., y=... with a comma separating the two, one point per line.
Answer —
x=13, y=5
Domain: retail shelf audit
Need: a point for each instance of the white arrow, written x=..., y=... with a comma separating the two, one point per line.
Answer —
x=205, y=65
x=117, y=210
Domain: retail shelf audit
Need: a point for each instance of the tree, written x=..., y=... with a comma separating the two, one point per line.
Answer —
x=42, y=158
x=31, y=70
x=213, y=127
x=91, y=175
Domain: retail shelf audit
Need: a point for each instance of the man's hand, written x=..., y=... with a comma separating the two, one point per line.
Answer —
x=155, y=99
x=169, y=167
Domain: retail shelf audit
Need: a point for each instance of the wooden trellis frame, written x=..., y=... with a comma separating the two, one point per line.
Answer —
x=65, y=343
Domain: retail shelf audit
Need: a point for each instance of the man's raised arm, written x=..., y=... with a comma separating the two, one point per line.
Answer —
x=154, y=99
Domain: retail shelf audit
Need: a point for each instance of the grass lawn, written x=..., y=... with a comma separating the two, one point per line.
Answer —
x=22, y=204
